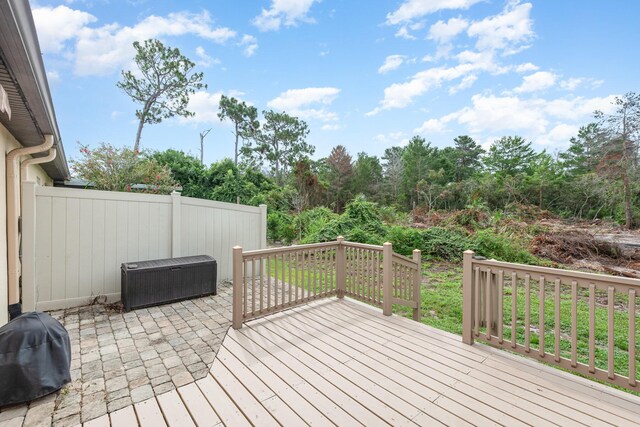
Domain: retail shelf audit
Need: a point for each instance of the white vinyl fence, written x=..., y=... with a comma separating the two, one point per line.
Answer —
x=74, y=241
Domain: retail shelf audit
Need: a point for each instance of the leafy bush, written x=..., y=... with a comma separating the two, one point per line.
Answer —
x=364, y=214
x=280, y=227
x=122, y=169
x=492, y=245
x=405, y=239
x=444, y=244
x=356, y=234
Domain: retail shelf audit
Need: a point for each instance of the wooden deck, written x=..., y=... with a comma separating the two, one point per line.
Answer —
x=339, y=362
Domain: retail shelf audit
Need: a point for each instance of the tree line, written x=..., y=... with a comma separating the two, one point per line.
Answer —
x=597, y=176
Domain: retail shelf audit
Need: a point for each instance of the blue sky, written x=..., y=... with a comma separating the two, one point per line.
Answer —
x=365, y=74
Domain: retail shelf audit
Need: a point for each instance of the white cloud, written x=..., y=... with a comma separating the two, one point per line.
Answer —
x=404, y=33
x=205, y=60
x=400, y=95
x=307, y=103
x=496, y=36
x=509, y=31
x=115, y=114
x=329, y=127
x=205, y=105
x=443, y=32
x=108, y=48
x=559, y=135
x=250, y=44
x=53, y=76
x=431, y=126
x=413, y=9
x=283, y=12
x=536, y=82
x=55, y=25
x=526, y=67
x=544, y=121
x=391, y=62
x=392, y=138
x=465, y=83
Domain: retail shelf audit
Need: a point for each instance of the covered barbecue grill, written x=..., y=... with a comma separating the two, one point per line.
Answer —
x=35, y=357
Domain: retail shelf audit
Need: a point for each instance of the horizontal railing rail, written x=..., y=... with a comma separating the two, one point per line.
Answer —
x=270, y=280
x=576, y=320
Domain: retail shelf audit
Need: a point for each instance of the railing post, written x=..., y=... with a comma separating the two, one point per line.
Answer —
x=467, y=297
x=387, y=278
x=237, y=287
x=341, y=268
x=417, y=257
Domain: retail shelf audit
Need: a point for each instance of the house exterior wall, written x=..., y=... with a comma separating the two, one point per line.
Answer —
x=34, y=172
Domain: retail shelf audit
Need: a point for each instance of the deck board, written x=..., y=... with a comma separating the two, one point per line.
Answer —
x=340, y=362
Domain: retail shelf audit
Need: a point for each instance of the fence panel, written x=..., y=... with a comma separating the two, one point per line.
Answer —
x=81, y=237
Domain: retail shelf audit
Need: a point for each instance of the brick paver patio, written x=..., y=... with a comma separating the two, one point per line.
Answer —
x=124, y=358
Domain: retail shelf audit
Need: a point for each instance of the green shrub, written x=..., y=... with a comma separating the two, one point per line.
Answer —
x=492, y=245
x=365, y=215
x=281, y=227
x=405, y=239
x=443, y=243
x=356, y=234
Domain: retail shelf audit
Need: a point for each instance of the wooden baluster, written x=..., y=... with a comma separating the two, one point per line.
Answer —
x=315, y=273
x=245, y=286
x=541, y=327
x=632, y=337
x=487, y=300
x=376, y=278
x=500, y=318
x=369, y=275
x=325, y=264
x=268, y=282
x=574, y=323
x=514, y=309
x=557, y=320
x=277, y=284
x=304, y=268
x=261, y=284
x=253, y=285
x=290, y=283
x=476, y=326
x=610, y=325
x=360, y=290
x=592, y=328
x=527, y=313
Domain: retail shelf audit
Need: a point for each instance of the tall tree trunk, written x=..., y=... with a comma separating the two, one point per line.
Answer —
x=235, y=159
x=136, y=146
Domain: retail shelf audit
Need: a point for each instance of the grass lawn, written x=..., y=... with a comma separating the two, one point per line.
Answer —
x=442, y=309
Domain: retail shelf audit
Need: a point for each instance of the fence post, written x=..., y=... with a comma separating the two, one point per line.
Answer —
x=176, y=222
x=341, y=268
x=238, y=281
x=28, y=246
x=263, y=226
x=467, y=297
x=417, y=258
x=387, y=278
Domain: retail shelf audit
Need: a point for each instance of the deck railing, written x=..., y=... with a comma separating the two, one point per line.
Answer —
x=270, y=280
x=566, y=318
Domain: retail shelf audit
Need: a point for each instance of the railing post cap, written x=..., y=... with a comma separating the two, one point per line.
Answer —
x=387, y=244
x=262, y=205
x=415, y=251
x=469, y=252
x=340, y=238
x=237, y=247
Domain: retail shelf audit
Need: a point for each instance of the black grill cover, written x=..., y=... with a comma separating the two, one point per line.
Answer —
x=35, y=357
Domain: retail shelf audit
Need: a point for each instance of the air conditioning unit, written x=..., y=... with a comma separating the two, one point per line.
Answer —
x=149, y=283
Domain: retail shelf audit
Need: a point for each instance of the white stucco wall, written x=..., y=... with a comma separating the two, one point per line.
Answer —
x=35, y=174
